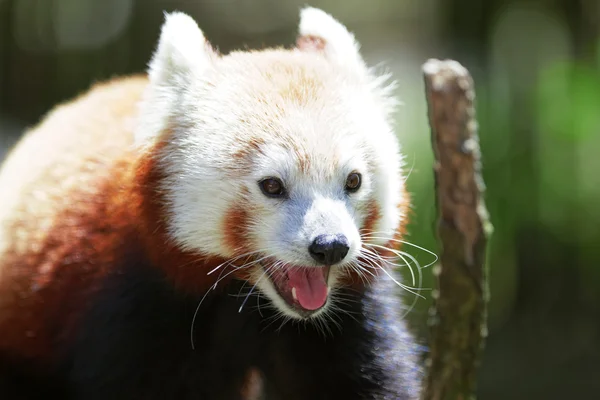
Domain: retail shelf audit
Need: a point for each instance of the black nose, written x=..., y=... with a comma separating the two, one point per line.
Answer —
x=329, y=249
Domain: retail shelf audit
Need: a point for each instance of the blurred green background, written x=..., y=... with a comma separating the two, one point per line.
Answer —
x=536, y=66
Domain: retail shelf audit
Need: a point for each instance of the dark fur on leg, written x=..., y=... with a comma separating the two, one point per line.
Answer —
x=373, y=356
x=134, y=344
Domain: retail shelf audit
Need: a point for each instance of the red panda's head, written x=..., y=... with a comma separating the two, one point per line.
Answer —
x=282, y=161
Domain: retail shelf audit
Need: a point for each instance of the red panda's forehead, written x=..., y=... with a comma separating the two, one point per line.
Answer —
x=303, y=147
x=293, y=103
x=286, y=77
x=306, y=162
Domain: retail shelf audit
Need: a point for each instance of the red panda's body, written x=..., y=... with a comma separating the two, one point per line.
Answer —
x=62, y=242
x=104, y=280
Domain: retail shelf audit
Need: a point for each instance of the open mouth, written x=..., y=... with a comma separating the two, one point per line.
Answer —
x=303, y=288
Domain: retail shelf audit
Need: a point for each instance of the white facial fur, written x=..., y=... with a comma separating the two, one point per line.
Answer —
x=309, y=117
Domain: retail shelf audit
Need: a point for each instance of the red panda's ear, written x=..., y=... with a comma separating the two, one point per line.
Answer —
x=182, y=50
x=320, y=32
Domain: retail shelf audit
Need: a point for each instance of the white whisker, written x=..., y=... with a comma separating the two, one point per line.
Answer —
x=401, y=255
x=250, y=292
x=228, y=262
x=194, y=318
x=399, y=284
x=391, y=239
x=219, y=279
x=236, y=268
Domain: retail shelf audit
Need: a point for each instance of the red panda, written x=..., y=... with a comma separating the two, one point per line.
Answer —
x=217, y=227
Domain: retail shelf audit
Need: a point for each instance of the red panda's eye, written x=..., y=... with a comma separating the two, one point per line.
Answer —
x=353, y=182
x=272, y=187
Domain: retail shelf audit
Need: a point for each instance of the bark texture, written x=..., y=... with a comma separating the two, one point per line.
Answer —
x=458, y=316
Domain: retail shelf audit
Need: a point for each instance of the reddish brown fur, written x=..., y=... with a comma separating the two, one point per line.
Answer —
x=352, y=278
x=44, y=287
x=187, y=270
x=373, y=216
x=235, y=228
x=53, y=282
x=114, y=209
x=302, y=89
x=253, y=386
x=243, y=155
x=303, y=160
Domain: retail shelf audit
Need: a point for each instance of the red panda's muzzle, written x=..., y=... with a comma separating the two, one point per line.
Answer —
x=304, y=288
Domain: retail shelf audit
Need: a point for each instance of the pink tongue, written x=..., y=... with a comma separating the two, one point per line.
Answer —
x=311, y=289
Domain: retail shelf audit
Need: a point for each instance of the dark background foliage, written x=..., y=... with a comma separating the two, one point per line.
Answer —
x=536, y=66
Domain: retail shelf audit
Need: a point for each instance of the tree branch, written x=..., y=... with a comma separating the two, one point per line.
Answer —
x=458, y=319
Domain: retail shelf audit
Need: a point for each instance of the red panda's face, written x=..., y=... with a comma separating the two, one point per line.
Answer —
x=308, y=198
x=282, y=162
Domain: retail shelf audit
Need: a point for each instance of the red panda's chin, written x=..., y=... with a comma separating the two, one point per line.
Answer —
x=303, y=288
